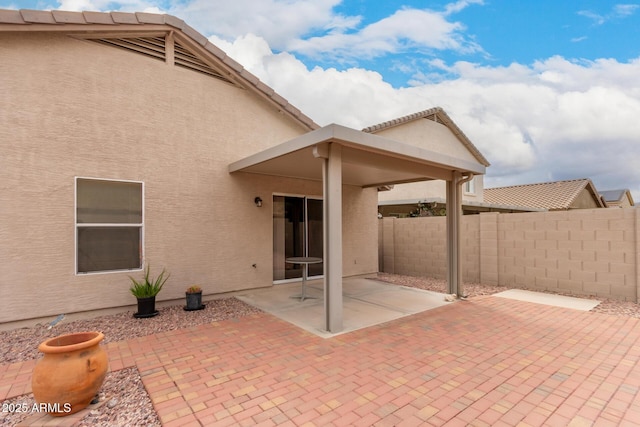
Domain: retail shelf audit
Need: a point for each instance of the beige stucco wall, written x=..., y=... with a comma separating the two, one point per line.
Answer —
x=582, y=252
x=431, y=136
x=435, y=137
x=584, y=200
x=430, y=189
x=73, y=108
x=625, y=203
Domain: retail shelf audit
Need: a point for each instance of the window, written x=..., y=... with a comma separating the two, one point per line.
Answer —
x=109, y=221
x=470, y=186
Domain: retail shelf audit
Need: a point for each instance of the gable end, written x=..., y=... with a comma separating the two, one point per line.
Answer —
x=157, y=47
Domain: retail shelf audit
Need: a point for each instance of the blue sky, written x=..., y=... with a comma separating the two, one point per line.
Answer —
x=546, y=89
x=500, y=32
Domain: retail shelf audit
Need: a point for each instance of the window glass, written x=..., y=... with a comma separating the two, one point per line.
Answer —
x=109, y=225
x=108, y=248
x=109, y=202
x=470, y=186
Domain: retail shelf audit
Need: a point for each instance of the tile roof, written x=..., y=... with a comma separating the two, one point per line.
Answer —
x=438, y=115
x=556, y=195
x=122, y=22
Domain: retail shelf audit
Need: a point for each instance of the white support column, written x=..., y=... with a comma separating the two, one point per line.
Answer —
x=454, y=212
x=332, y=189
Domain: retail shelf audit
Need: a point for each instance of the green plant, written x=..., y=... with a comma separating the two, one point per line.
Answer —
x=194, y=289
x=148, y=287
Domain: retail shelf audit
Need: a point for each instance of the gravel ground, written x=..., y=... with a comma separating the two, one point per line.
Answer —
x=22, y=344
x=123, y=398
x=125, y=402
x=607, y=306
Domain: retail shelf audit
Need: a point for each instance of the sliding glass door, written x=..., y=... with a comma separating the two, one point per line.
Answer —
x=297, y=232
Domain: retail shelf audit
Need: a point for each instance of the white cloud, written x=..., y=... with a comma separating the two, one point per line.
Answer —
x=618, y=11
x=623, y=10
x=277, y=21
x=406, y=29
x=554, y=119
x=459, y=5
x=314, y=29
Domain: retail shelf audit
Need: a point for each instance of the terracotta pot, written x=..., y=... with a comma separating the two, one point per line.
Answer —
x=71, y=372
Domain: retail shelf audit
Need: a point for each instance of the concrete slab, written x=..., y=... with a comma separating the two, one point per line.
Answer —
x=549, y=299
x=366, y=302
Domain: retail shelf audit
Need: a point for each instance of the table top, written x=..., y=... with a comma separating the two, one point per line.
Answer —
x=303, y=260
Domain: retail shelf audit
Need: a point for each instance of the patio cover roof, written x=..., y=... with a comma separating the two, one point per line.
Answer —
x=338, y=155
x=368, y=160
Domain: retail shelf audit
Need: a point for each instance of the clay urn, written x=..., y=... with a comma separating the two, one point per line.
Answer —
x=71, y=372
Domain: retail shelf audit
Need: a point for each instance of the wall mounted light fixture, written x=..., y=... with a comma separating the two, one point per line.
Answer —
x=258, y=202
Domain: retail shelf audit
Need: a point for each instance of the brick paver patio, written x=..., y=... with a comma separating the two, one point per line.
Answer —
x=488, y=361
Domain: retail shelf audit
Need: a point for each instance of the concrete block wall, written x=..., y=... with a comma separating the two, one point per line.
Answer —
x=413, y=246
x=581, y=252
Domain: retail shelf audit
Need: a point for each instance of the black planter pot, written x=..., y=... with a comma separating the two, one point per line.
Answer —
x=146, y=308
x=194, y=301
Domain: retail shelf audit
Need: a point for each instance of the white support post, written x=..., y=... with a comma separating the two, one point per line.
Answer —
x=332, y=189
x=454, y=211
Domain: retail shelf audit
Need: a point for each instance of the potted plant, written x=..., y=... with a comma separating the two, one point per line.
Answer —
x=145, y=291
x=194, y=298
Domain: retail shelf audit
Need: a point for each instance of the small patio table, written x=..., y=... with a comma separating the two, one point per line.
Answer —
x=304, y=261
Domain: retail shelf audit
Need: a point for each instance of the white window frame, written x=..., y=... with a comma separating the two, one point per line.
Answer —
x=470, y=186
x=76, y=226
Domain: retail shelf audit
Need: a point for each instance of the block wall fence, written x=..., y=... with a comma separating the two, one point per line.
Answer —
x=581, y=252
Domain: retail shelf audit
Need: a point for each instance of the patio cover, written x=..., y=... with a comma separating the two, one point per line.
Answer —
x=339, y=155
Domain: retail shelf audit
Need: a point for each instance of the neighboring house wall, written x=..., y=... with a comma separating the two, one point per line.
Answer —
x=431, y=189
x=429, y=135
x=72, y=108
x=625, y=203
x=435, y=137
x=618, y=198
x=582, y=252
x=584, y=200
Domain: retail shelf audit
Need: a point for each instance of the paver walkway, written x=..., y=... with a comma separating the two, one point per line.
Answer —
x=484, y=362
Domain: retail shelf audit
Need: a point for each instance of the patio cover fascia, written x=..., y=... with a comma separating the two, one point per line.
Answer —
x=339, y=155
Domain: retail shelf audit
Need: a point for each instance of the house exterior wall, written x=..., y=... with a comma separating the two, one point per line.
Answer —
x=430, y=189
x=435, y=137
x=584, y=200
x=581, y=252
x=624, y=202
x=72, y=108
x=429, y=135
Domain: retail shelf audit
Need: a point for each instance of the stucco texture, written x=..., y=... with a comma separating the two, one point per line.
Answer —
x=73, y=108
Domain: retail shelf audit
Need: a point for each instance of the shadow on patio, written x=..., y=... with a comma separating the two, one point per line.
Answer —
x=367, y=302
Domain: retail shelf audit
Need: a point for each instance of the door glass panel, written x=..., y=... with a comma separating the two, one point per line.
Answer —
x=314, y=234
x=296, y=232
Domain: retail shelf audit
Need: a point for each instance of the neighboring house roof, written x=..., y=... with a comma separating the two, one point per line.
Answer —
x=468, y=206
x=617, y=196
x=146, y=33
x=557, y=195
x=438, y=115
